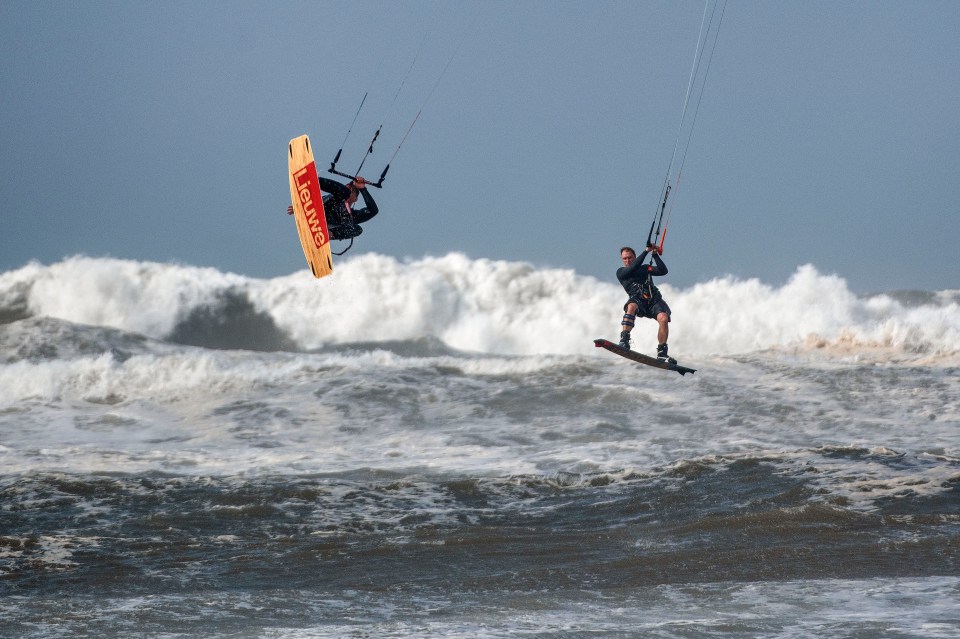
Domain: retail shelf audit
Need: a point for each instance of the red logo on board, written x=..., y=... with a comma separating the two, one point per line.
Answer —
x=308, y=190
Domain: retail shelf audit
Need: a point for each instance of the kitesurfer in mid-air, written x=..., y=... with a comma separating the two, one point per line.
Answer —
x=645, y=298
x=343, y=220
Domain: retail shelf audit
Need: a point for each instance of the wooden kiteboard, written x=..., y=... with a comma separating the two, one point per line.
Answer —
x=640, y=358
x=308, y=207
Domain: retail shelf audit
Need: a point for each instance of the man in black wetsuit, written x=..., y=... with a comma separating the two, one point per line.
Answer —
x=645, y=299
x=343, y=221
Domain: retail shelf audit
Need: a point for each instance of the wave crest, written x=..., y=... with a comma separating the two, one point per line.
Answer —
x=511, y=308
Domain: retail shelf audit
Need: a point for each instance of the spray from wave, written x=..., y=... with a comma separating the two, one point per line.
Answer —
x=507, y=308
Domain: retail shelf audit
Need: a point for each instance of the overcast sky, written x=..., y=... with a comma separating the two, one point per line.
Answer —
x=828, y=133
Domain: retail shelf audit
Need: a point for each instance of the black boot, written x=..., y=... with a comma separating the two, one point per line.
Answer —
x=625, y=339
x=662, y=354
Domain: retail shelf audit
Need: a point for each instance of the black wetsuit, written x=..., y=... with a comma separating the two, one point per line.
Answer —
x=343, y=222
x=637, y=282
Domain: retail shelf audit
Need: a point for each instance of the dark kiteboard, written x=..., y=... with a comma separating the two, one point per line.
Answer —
x=640, y=358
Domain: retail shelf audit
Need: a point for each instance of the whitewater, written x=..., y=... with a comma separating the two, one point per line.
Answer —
x=433, y=447
x=505, y=308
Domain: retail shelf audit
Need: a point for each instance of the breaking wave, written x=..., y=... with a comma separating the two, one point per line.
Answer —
x=480, y=305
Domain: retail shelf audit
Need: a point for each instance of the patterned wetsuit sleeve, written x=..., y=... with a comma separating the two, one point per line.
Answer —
x=362, y=215
x=660, y=268
x=339, y=191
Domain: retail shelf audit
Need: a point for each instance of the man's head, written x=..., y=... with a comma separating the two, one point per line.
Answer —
x=353, y=194
x=627, y=255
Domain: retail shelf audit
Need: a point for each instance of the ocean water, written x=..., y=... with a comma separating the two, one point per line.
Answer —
x=434, y=448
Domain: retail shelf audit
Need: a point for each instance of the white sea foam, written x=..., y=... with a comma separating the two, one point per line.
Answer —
x=782, y=368
x=484, y=306
x=854, y=399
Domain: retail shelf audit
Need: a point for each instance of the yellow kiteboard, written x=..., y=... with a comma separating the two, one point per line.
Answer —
x=308, y=207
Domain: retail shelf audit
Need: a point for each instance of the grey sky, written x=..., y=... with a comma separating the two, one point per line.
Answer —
x=829, y=133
